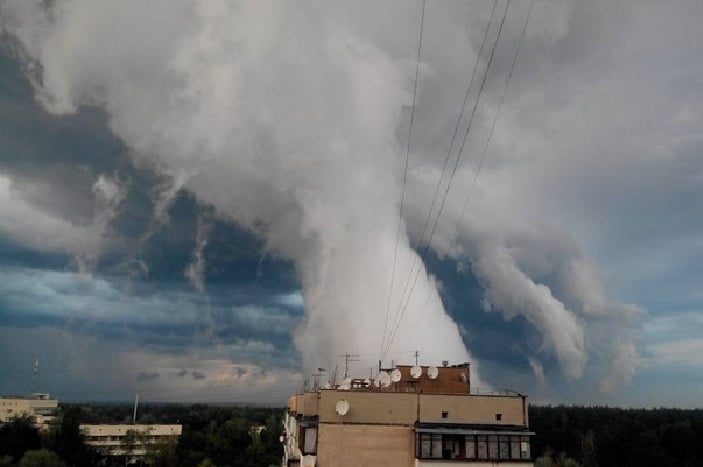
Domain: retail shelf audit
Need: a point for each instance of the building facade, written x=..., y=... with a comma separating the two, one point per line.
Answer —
x=131, y=441
x=418, y=419
x=40, y=407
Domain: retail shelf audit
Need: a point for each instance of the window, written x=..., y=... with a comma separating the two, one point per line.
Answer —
x=493, y=447
x=309, y=440
x=504, y=447
x=515, y=447
x=425, y=446
x=445, y=414
x=471, y=447
x=436, y=447
x=482, y=447
x=525, y=447
x=499, y=417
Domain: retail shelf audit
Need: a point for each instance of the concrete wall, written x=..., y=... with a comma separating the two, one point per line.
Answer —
x=402, y=408
x=471, y=409
x=365, y=446
x=369, y=407
x=307, y=404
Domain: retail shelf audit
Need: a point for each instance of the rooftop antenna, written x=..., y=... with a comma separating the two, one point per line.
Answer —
x=316, y=378
x=136, y=402
x=417, y=355
x=35, y=371
x=349, y=357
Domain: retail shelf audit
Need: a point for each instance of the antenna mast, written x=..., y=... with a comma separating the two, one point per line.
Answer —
x=35, y=371
x=349, y=357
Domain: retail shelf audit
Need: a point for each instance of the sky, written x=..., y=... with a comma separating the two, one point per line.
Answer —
x=209, y=201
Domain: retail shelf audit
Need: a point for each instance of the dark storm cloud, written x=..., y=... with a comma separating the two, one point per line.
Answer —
x=596, y=156
x=144, y=376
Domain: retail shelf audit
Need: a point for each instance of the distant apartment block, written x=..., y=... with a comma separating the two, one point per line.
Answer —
x=407, y=417
x=40, y=407
x=131, y=441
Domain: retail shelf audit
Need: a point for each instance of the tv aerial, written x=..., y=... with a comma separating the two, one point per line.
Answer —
x=416, y=371
x=432, y=372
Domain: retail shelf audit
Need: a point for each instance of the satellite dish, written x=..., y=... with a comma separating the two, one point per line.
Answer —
x=376, y=382
x=384, y=379
x=346, y=384
x=416, y=372
x=342, y=407
x=395, y=375
x=367, y=382
x=432, y=372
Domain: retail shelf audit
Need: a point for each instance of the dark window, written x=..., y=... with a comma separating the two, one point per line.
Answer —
x=445, y=414
x=499, y=416
x=515, y=447
x=504, y=447
x=471, y=447
x=482, y=447
x=493, y=447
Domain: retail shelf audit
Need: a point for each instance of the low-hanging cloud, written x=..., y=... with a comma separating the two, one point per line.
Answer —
x=286, y=119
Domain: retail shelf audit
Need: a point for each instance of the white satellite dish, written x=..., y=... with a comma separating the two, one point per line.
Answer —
x=395, y=375
x=384, y=379
x=376, y=382
x=432, y=372
x=367, y=383
x=342, y=407
x=346, y=384
x=416, y=372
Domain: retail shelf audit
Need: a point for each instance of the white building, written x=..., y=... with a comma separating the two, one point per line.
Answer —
x=129, y=440
x=40, y=407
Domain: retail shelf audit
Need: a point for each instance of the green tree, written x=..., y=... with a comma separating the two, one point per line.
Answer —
x=17, y=437
x=41, y=458
x=207, y=463
x=6, y=461
x=67, y=440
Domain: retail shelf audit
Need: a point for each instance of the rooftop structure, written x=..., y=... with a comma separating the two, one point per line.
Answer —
x=40, y=407
x=410, y=416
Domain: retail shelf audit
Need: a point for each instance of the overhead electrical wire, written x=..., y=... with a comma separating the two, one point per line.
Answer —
x=405, y=170
x=449, y=184
x=495, y=119
x=446, y=163
x=490, y=134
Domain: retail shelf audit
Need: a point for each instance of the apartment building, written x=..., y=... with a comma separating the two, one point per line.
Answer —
x=40, y=407
x=131, y=441
x=408, y=416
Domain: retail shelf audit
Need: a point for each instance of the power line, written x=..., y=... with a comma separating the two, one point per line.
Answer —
x=405, y=171
x=456, y=165
x=490, y=134
x=446, y=162
x=495, y=119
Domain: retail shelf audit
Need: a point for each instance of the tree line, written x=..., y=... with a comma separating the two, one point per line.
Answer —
x=571, y=436
x=215, y=436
